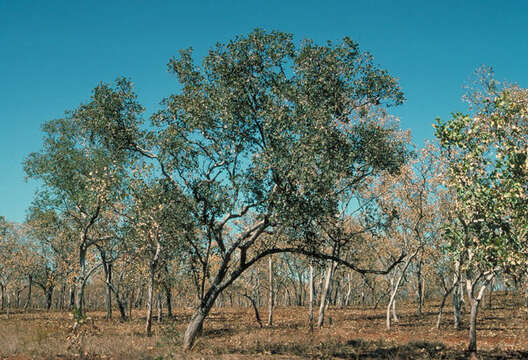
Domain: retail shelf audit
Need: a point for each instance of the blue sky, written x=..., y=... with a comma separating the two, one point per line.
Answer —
x=53, y=53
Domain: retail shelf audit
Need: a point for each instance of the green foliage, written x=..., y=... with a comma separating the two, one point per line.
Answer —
x=268, y=125
x=487, y=172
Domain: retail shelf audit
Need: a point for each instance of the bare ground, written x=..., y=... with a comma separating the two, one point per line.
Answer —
x=232, y=333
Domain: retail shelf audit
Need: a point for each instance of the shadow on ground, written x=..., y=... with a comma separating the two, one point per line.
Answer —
x=360, y=349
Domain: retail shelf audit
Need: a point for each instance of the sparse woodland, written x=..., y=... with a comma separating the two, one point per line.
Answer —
x=273, y=178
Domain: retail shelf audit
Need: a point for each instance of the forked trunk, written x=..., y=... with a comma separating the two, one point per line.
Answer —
x=325, y=293
x=395, y=290
x=474, y=302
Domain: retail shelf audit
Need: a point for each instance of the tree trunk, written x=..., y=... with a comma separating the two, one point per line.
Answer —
x=72, y=297
x=474, y=302
x=2, y=295
x=490, y=293
x=30, y=287
x=139, y=297
x=472, y=347
x=60, y=303
x=160, y=307
x=195, y=326
x=18, y=291
x=270, y=298
x=255, y=309
x=394, y=315
x=168, y=298
x=122, y=308
x=456, y=307
x=49, y=297
x=130, y=302
x=439, y=319
x=349, y=291
x=311, y=296
x=325, y=293
x=419, y=291
x=396, y=286
x=81, y=280
x=8, y=295
x=108, y=297
x=150, y=296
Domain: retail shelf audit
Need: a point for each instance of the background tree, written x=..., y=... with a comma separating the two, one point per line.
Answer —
x=487, y=171
x=80, y=178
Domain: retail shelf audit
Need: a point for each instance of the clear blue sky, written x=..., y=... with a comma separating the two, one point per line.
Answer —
x=53, y=53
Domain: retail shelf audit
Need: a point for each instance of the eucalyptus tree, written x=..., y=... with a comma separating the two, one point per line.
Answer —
x=80, y=178
x=263, y=138
x=156, y=221
x=488, y=172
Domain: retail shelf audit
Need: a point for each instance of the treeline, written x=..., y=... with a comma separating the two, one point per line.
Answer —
x=274, y=175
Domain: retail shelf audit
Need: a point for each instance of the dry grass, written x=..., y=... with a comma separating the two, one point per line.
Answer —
x=355, y=333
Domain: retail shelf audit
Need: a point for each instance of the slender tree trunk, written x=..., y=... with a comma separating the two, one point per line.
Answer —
x=60, y=304
x=2, y=295
x=474, y=302
x=30, y=287
x=270, y=295
x=311, y=296
x=150, y=297
x=461, y=299
x=349, y=291
x=255, y=309
x=325, y=294
x=108, y=298
x=139, y=298
x=81, y=280
x=439, y=319
x=490, y=293
x=396, y=286
x=72, y=296
x=419, y=291
x=8, y=310
x=122, y=308
x=394, y=315
x=160, y=307
x=18, y=291
x=130, y=302
x=168, y=298
x=456, y=294
x=456, y=308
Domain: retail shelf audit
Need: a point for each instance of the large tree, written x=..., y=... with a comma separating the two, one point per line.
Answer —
x=265, y=137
